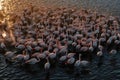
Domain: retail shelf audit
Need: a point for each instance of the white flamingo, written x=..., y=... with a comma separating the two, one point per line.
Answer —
x=47, y=65
x=63, y=58
x=52, y=55
x=84, y=48
x=29, y=48
x=70, y=55
x=3, y=46
x=20, y=46
x=99, y=53
x=113, y=51
x=35, y=54
x=79, y=62
x=9, y=54
x=22, y=57
x=71, y=60
x=37, y=48
x=32, y=61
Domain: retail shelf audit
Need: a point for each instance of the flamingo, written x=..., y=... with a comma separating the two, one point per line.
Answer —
x=29, y=48
x=78, y=47
x=61, y=47
x=100, y=58
x=91, y=49
x=100, y=47
x=77, y=63
x=41, y=56
x=37, y=48
x=32, y=61
x=112, y=57
x=26, y=55
x=71, y=60
x=2, y=45
x=99, y=53
x=73, y=30
x=84, y=63
x=63, y=58
x=52, y=55
x=114, y=37
x=34, y=44
x=84, y=48
x=19, y=57
x=63, y=50
x=9, y=55
x=95, y=43
x=117, y=42
x=55, y=50
x=21, y=41
x=70, y=55
x=74, y=44
x=47, y=65
x=22, y=57
x=102, y=39
x=113, y=51
x=35, y=54
x=20, y=47
x=109, y=41
x=46, y=52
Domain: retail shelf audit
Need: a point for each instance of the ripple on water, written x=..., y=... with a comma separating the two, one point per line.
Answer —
x=104, y=72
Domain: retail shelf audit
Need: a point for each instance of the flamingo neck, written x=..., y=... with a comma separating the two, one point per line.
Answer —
x=66, y=52
x=47, y=60
x=58, y=43
x=41, y=50
x=38, y=59
x=24, y=52
x=80, y=57
x=99, y=42
x=79, y=41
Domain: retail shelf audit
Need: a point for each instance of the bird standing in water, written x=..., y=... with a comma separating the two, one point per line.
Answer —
x=47, y=69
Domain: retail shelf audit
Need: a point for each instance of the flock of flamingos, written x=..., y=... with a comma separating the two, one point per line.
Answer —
x=68, y=37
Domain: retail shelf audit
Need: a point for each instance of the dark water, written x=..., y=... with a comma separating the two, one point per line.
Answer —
x=106, y=71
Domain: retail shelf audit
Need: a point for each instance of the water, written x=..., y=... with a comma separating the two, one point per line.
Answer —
x=103, y=6
x=105, y=72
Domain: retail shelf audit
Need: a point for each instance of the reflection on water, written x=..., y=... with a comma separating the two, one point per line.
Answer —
x=105, y=72
x=1, y=1
x=108, y=6
x=4, y=34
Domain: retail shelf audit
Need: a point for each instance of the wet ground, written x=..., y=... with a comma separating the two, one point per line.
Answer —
x=106, y=71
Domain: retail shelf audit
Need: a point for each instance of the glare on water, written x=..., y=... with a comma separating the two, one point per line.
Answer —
x=4, y=35
x=1, y=1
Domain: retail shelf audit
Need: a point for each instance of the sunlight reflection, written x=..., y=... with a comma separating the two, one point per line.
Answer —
x=1, y=1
